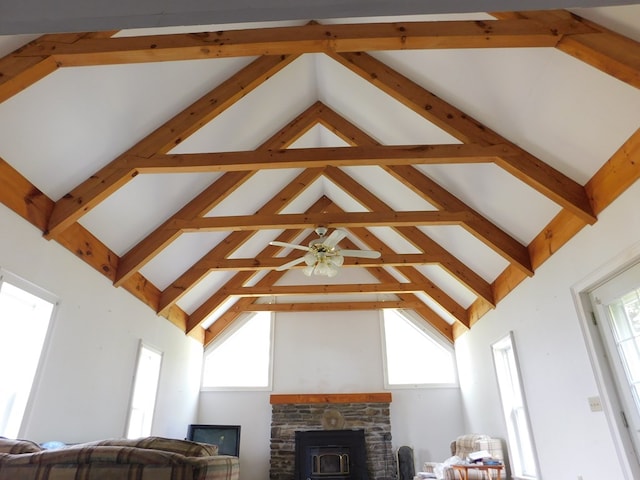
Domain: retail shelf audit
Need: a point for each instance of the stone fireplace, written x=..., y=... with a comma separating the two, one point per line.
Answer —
x=331, y=437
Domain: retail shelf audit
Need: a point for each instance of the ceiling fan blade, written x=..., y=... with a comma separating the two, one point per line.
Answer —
x=290, y=264
x=289, y=245
x=333, y=239
x=360, y=253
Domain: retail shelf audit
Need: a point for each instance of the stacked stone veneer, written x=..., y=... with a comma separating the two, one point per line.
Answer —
x=373, y=418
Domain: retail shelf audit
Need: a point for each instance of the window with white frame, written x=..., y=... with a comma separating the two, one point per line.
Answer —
x=242, y=358
x=413, y=355
x=145, y=390
x=25, y=315
x=521, y=447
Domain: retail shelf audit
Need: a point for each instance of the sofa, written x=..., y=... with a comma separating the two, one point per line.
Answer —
x=461, y=448
x=150, y=458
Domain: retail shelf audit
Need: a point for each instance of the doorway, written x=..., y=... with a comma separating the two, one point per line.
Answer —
x=609, y=304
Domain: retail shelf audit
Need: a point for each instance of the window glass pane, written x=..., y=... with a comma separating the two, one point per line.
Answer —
x=243, y=359
x=24, y=321
x=511, y=395
x=412, y=356
x=145, y=389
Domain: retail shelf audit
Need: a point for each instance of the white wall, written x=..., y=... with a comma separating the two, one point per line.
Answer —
x=558, y=377
x=83, y=387
x=334, y=352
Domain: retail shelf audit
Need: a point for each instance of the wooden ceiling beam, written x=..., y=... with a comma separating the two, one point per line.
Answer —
x=198, y=270
x=411, y=177
x=114, y=175
x=309, y=38
x=422, y=241
x=610, y=52
x=306, y=220
x=484, y=230
x=219, y=190
x=524, y=166
x=330, y=307
x=270, y=263
x=346, y=289
x=324, y=156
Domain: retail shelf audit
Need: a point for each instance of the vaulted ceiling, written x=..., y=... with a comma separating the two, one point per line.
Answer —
x=466, y=148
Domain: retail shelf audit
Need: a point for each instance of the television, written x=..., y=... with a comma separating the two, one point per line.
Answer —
x=226, y=437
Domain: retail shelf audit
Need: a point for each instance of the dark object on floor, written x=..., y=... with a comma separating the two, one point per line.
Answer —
x=406, y=467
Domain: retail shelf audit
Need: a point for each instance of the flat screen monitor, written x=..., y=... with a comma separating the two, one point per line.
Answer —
x=226, y=437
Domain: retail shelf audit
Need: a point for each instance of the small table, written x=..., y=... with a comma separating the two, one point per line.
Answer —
x=463, y=470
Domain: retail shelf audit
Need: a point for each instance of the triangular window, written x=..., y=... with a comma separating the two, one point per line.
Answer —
x=242, y=358
x=413, y=356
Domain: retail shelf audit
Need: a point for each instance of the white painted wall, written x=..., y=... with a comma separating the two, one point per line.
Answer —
x=558, y=377
x=334, y=352
x=83, y=387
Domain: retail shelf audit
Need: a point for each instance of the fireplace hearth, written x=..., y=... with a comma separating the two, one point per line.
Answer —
x=330, y=455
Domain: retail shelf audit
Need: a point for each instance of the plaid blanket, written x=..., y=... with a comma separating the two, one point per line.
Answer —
x=108, y=460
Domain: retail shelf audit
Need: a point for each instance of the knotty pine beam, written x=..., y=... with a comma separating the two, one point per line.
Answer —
x=286, y=290
x=310, y=38
x=304, y=220
x=422, y=241
x=198, y=270
x=111, y=177
x=150, y=246
x=608, y=51
x=527, y=168
x=320, y=157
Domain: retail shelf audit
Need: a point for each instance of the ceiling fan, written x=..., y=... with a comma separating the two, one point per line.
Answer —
x=323, y=256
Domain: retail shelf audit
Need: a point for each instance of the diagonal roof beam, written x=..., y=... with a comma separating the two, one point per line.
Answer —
x=238, y=280
x=479, y=226
x=450, y=263
x=353, y=135
x=527, y=168
x=610, y=52
x=245, y=303
x=198, y=270
x=150, y=246
x=117, y=173
x=313, y=37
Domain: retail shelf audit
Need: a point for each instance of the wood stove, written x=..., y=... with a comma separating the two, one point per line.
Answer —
x=330, y=455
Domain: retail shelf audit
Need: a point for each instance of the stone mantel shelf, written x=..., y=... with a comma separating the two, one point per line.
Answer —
x=283, y=399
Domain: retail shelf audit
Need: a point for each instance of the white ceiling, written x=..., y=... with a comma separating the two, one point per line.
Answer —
x=40, y=16
x=65, y=127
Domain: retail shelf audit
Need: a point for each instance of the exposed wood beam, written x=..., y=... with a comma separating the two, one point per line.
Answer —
x=329, y=307
x=305, y=220
x=216, y=300
x=617, y=174
x=309, y=38
x=111, y=177
x=317, y=157
x=527, y=168
x=150, y=246
x=286, y=290
x=18, y=72
x=450, y=263
x=18, y=194
x=270, y=263
x=198, y=270
x=610, y=52
x=478, y=225
x=161, y=237
x=353, y=135
x=438, y=295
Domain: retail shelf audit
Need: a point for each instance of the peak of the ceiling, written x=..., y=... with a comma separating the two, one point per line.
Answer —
x=42, y=16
